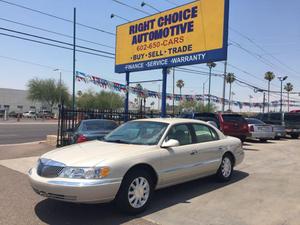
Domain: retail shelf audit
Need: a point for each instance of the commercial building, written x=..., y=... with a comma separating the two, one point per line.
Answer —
x=13, y=100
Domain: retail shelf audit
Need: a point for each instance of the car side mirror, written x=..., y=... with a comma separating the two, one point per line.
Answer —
x=170, y=143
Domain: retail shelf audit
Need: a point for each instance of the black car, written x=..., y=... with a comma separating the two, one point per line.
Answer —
x=91, y=129
x=291, y=121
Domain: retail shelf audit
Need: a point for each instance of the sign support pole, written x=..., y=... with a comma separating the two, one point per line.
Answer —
x=74, y=59
x=164, y=92
x=127, y=97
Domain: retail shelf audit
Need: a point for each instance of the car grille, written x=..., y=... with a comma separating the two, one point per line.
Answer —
x=49, y=171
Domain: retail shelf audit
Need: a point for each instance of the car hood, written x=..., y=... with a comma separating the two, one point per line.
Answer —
x=92, y=153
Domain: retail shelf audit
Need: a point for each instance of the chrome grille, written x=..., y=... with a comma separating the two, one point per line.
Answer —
x=49, y=168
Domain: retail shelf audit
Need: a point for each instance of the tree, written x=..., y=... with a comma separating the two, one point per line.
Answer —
x=269, y=76
x=195, y=106
x=288, y=87
x=47, y=91
x=102, y=100
x=180, y=85
x=230, y=78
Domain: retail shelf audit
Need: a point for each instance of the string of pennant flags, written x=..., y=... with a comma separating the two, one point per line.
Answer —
x=141, y=92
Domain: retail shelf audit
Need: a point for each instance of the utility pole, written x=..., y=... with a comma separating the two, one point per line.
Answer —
x=74, y=59
x=264, y=101
x=224, y=85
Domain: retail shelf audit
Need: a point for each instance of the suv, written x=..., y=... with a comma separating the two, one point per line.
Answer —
x=291, y=121
x=45, y=114
x=229, y=123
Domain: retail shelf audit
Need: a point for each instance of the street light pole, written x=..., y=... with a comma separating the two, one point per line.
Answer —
x=281, y=79
x=60, y=97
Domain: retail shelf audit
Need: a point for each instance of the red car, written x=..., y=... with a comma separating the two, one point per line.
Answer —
x=234, y=125
x=229, y=123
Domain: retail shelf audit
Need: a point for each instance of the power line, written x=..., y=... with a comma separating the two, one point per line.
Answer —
x=54, y=32
x=56, y=17
x=262, y=49
x=129, y=6
x=54, y=45
x=53, y=40
x=33, y=63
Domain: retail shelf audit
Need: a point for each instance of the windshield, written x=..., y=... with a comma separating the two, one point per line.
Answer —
x=138, y=132
x=254, y=121
x=94, y=125
x=292, y=117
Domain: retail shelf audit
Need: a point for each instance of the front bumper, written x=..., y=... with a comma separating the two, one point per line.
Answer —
x=75, y=190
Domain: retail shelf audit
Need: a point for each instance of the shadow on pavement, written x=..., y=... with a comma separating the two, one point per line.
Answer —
x=55, y=212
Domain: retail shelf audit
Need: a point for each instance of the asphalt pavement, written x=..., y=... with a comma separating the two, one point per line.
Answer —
x=13, y=132
x=264, y=190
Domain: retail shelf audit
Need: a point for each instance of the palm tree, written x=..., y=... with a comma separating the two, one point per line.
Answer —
x=210, y=66
x=288, y=87
x=230, y=78
x=269, y=76
x=180, y=85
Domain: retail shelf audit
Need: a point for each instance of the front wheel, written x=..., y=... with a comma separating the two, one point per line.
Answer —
x=225, y=170
x=135, y=192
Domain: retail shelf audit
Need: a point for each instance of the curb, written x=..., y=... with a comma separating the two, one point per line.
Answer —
x=26, y=143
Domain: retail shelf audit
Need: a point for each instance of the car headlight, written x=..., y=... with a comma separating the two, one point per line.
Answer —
x=85, y=172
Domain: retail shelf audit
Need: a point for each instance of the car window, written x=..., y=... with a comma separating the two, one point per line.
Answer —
x=204, y=133
x=233, y=118
x=292, y=117
x=254, y=121
x=99, y=125
x=180, y=133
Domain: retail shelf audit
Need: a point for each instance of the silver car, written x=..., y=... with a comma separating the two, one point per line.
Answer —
x=134, y=160
x=259, y=130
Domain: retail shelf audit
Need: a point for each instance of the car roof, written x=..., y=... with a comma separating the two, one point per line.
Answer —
x=172, y=120
x=91, y=120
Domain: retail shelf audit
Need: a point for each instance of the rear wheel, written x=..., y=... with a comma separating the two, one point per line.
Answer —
x=225, y=170
x=135, y=192
x=295, y=136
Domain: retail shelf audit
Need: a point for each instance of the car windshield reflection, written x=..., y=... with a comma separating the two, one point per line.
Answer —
x=137, y=132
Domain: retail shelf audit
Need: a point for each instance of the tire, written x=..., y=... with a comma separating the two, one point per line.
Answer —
x=243, y=139
x=122, y=199
x=295, y=136
x=224, y=173
x=263, y=140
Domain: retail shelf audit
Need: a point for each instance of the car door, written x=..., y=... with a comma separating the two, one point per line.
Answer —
x=179, y=163
x=208, y=149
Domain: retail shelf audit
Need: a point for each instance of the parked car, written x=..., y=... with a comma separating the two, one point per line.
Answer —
x=45, y=114
x=260, y=130
x=134, y=160
x=15, y=115
x=291, y=122
x=229, y=123
x=30, y=114
x=88, y=130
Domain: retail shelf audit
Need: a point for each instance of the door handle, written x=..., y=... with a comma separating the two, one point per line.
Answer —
x=221, y=148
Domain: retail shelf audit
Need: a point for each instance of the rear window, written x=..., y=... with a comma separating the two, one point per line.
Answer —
x=233, y=118
x=254, y=121
x=99, y=125
x=292, y=117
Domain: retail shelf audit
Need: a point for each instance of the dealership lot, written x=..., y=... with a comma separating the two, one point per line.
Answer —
x=264, y=190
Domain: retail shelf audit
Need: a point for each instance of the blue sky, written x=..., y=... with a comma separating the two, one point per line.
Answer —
x=270, y=24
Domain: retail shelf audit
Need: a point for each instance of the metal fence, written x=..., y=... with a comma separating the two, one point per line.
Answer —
x=69, y=118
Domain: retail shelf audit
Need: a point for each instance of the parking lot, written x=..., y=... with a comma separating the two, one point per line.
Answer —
x=264, y=190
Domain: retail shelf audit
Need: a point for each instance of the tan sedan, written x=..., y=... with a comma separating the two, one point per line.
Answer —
x=134, y=160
